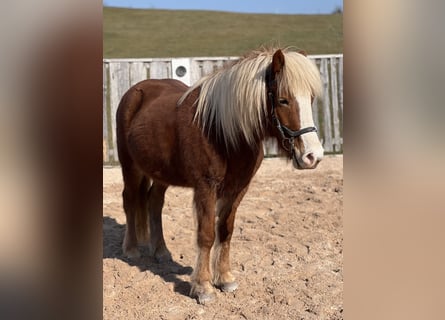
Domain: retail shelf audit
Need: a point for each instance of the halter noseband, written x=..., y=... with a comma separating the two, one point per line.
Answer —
x=287, y=134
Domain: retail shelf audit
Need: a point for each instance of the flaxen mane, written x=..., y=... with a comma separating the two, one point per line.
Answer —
x=233, y=100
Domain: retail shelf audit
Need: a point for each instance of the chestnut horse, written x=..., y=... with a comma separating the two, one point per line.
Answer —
x=209, y=137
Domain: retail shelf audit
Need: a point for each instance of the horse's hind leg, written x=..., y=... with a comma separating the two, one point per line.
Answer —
x=133, y=201
x=226, y=209
x=157, y=246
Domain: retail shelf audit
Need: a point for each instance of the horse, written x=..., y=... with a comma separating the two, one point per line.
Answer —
x=210, y=137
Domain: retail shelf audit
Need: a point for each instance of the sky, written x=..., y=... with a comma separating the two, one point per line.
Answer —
x=245, y=6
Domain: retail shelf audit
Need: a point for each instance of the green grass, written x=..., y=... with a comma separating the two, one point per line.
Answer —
x=137, y=33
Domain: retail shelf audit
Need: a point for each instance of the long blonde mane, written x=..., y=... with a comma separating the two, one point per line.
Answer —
x=233, y=100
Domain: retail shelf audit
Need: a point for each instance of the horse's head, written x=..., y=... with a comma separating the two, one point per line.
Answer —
x=291, y=87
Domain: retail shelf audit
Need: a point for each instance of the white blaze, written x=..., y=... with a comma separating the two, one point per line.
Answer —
x=311, y=143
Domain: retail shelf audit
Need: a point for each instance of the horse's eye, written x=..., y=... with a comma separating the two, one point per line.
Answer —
x=283, y=101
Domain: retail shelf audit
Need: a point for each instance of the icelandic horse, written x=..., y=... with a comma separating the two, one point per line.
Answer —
x=210, y=137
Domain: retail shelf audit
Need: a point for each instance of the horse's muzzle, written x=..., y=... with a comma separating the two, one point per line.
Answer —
x=308, y=160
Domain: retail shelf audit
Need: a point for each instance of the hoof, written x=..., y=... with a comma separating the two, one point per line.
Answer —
x=225, y=282
x=132, y=253
x=203, y=293
x=205, y=298
x=163, y=257
x=228, y=287
x=160, y=254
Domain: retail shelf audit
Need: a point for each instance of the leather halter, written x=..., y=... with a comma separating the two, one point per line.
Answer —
x=287, y=135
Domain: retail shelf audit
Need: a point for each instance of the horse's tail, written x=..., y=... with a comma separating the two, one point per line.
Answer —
x=129, y=105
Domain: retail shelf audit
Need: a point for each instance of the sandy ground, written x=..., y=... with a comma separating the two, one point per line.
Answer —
x=286, y=251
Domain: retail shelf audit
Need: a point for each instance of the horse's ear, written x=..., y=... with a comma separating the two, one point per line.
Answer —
x=304, y=53
x=277, y=62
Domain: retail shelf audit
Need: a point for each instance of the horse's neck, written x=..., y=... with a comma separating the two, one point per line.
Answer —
x=246, y=157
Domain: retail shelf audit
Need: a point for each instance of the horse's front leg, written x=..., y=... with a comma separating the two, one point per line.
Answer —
x=226, y=210
x=204, y=200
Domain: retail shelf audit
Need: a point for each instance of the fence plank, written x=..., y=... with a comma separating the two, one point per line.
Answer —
x=327, y=128
x=270, y=147
x=160, y=70
x=315, y=104
x=119, y=84
x=219, y=64
x=207, y=67
x=195, y=70
x=138, y=72
x=334, y=95
x=315, y=113
x=105, y=146
x=340, y=84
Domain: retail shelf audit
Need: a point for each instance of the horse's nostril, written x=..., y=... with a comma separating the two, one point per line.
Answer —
x=310, y=159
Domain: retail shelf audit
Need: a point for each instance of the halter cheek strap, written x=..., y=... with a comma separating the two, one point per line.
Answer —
x=287, y=134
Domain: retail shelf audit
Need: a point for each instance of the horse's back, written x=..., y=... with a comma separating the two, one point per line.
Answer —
x=150, y=86
x=142, y=94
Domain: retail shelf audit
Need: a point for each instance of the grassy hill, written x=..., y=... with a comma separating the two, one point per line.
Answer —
x=137, y=33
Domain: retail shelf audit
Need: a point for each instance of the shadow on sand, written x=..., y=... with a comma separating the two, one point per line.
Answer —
x=113, y=234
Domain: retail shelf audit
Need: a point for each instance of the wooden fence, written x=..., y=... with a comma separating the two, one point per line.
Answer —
x=120, y=74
